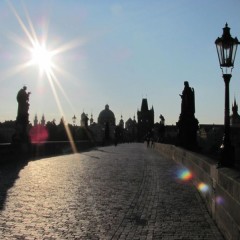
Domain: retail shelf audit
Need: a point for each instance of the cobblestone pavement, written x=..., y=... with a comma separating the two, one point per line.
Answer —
x=124, y=192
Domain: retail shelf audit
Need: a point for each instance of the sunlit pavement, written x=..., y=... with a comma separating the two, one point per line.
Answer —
x=124, y=192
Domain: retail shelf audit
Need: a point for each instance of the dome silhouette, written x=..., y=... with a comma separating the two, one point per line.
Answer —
x=106, y=116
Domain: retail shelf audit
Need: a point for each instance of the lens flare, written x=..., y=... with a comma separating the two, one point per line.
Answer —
x=184, y=175
x=38, y=134
x=219, y=200
x=203, y=187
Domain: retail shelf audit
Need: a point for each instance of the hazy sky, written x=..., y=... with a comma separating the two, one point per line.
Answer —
x=116, y=53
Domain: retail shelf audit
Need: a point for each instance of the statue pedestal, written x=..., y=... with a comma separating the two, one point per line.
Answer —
x=187, y=136
x=20, y=139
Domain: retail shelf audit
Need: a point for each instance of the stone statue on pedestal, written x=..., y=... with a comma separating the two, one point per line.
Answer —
x=161, y=129
x=23, y=106
x=187, y=124
x=20, y=138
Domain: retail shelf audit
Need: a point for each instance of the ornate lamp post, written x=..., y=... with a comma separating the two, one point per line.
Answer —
x=226, y=49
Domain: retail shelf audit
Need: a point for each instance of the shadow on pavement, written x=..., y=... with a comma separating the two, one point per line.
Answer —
x=12, y=161
x=9, y=173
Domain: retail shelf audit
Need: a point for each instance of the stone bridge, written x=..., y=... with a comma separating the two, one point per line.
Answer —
x=124, y=192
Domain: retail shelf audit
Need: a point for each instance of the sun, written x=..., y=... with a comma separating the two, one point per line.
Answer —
x=42, y=57
x=45, y=59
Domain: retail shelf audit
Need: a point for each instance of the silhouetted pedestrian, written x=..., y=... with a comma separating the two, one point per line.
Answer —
x=148, y=141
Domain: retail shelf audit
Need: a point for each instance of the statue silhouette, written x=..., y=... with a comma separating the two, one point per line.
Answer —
x=188, y=100
x=20, y=139
x=187, y=124
x=23, y=106
x=161, y=129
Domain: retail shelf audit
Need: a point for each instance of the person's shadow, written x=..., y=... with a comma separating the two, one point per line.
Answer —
x=9, y=173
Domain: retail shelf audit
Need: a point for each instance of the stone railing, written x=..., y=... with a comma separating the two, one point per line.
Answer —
x=222, y=187
x=9, y=152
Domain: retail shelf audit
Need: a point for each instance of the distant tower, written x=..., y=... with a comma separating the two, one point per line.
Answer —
x=43, y=121
x=91, y=119
x=84, y=120
x=121, y=123
x=35, y=121
x=235, y=118
x=145, y=120
x=134, y=119
x=131, y=129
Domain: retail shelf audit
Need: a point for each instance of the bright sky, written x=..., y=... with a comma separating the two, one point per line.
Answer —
x=115, y=52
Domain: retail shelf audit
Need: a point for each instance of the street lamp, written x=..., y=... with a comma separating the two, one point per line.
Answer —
x=226, y=49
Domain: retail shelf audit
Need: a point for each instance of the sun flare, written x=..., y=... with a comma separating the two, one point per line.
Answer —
x=42, y=57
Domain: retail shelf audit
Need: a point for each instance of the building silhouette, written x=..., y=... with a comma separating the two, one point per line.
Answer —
x=43, y=120
x=121, y=123
x=131, y=129
x=235, y=118
x=84, y=120
x=104, y=128
x=35, y=121
x=106, y=116
x=145, y=120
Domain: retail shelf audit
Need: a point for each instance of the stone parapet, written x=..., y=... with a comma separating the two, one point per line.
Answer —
x=222, y=196
x=10, y=153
